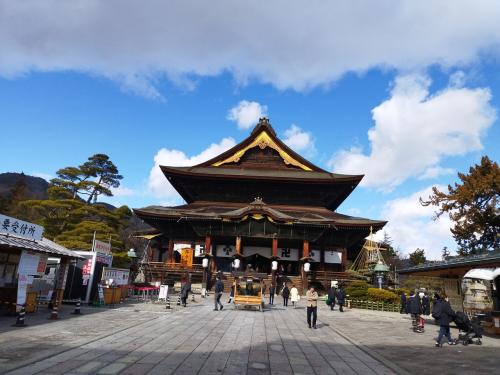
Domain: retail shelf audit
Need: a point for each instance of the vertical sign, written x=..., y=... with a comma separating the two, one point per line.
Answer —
x=187, y=257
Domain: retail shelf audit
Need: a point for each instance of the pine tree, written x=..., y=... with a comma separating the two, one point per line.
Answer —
x=474, y=207
x=417, y=257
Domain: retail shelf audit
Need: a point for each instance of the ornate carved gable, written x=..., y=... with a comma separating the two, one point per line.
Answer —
x=260, y=151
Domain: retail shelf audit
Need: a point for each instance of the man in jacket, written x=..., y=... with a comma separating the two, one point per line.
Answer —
x=331, y=297
x=186, y=288
x=443, y=314
x=312, y=307
x=340, y=296
x=218, y=289
x=272, y=290
x=285, y=293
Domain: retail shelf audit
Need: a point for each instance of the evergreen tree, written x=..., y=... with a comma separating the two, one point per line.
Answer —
x=474, y=207
x=417, y=257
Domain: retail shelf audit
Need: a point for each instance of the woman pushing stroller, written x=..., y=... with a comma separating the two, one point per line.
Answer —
x=443, y=314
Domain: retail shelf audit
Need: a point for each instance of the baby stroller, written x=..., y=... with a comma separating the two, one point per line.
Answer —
x=470, y=329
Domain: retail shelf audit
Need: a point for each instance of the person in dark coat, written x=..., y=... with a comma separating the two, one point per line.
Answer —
x=272, y=290
x=218, y=289
x=424, y=309
x=402, y=302
x=340, y=296
x=231, y=293
x=186, y=288
x=443, y=314
x=331, y=296
x=285, y=293
x=412, y=309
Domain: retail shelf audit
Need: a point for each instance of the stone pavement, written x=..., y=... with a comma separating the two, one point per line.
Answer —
x=147, y=339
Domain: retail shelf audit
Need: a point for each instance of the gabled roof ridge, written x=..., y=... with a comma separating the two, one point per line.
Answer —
x=262, y=126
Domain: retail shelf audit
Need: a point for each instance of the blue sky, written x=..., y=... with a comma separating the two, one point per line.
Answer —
x=408, y=109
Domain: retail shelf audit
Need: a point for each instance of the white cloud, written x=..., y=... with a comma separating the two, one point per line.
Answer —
x=411, y=225
x=45, y=176
x=299, y=140
x=123, y=191
x=414, y=131
x=158, y=184
x=246, y=114
x=283, y=43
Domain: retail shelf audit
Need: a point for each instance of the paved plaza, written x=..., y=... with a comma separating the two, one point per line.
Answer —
x=148, y=339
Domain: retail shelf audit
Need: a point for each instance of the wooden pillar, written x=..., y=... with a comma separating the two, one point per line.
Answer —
x=275, y=247
x=305, y=249
x=305, y=254
x=170, y=252
x=238, y=246
x=344, y=259
x=208, y=245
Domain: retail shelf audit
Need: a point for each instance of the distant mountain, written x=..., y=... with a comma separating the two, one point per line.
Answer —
x=36, y=187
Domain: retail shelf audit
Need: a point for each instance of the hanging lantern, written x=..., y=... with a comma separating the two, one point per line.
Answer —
x=307, y=267
x=205, y=262
x=236, y=263
x=274, y=265
x=131, y=254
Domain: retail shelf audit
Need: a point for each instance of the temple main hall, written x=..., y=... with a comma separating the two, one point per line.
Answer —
x=259, y=202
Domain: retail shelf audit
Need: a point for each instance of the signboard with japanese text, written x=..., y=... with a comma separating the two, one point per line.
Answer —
x=101, y=247
x=286, y=253
x=86, y=271
x=119, y=276
x=42, y=264
x=15, y=227
x=315, y=255
x=106, y=259
x=225, y=251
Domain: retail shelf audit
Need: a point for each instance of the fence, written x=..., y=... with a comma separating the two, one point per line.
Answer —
x=374, y=305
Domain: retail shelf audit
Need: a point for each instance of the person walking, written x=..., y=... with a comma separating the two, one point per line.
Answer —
x=231, y=294
x=424, y=309
x=331, y=297
x=186, y=288
x=402, y=303
x=443, y=314
x=294, y=292
x=312, y=307
x=285, y=293
x=340, y=296
x=272, y=290
x=264, y=289
x=218, y=289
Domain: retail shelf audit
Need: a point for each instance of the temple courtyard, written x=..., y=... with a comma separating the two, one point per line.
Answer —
x=145, y=338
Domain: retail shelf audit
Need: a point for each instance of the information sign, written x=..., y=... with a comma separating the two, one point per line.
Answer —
x=12, y=226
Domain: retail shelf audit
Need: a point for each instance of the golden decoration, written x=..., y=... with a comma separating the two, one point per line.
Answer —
x=263, y=140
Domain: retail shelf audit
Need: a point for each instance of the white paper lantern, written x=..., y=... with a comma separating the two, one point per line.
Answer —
x=205, y=262
x=236, y=263
x=274, y=265
x=307, y=267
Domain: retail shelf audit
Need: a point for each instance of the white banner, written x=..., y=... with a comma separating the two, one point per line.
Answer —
x=12, y=226
x=315, y=255
x=252, y=250
x=179, y=246
x=28, y=265
x=225, y=251
x=286, y=253
x=332, y=256
x=199, y=250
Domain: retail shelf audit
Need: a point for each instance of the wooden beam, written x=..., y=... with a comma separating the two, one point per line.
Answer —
x=170, y=252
